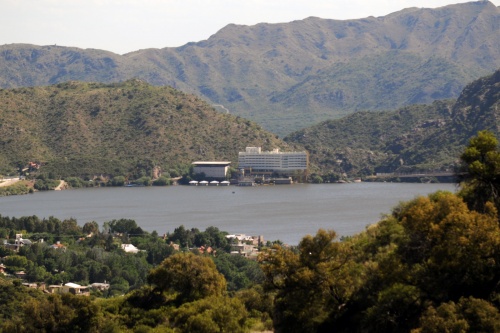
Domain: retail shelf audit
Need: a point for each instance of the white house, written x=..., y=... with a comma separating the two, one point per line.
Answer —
x=75, y=289
x=130, y=248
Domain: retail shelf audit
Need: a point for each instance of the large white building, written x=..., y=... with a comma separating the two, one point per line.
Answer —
x=212, y=169
x=275, y=161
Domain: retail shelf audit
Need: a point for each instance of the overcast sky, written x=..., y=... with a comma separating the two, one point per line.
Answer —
x=123, y=26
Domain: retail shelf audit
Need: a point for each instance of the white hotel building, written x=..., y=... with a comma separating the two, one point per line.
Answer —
x=212, y=169
x=253, y=158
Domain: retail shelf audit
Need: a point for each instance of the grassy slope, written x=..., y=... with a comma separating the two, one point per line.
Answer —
x=90, y=128
x=412, y=138
x=366, y=142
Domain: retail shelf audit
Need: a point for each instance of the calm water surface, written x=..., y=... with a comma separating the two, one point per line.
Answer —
x=286, y=212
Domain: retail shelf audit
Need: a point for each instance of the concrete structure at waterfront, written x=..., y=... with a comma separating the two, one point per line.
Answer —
x=212, y=169
x=254, y=159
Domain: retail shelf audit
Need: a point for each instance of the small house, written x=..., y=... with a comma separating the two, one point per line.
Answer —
x=130, y=248
x=75, y=289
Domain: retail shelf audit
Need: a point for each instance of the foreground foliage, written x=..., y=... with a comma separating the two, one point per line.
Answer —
x=429, y=252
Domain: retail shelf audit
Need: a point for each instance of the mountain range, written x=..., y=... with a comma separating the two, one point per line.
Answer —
x=291, y=75
x=84, y=129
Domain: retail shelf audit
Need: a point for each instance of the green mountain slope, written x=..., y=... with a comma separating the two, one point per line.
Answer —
x=291, y=75
x=91, y=128
x=419, y=137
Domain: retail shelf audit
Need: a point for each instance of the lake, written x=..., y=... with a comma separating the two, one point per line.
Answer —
x=286, y=212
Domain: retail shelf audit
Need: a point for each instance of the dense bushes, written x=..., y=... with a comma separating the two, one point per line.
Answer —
x=46, y=184
x=18, y=188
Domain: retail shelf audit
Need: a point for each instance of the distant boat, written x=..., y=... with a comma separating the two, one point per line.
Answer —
x=203, y=183
x=214, y=183
x=193, y=183
x=224, y=183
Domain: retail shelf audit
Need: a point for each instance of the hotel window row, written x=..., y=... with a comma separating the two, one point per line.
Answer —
x=256, y=159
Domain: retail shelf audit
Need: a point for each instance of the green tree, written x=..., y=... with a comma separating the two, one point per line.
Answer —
x=396, y=309
x=91, y=228
x=212, y=314
x=118, y=181
x=450, y=249
x=313, y=284
x=54, y=313
x=16, y=262
x=183, y=237
x=124, y=226
x=35, y=273
x=468, y=315
x=156, y=249
x=144, y=180
x=188, y=277
x=239, y=272
x=316, y=179
x=162, y=181
x=480, y=172
x=70, y=227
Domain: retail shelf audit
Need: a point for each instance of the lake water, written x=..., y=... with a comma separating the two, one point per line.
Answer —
x=286, y=212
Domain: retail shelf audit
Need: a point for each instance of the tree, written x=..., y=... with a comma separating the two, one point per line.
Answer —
x=118, y=181
x=36, y=273
x=91, y=228
x=54, y=313
x=70, y=227
x=212, y=314
x=183, y=237
x=125, y=226
x=316, y=179
x=312, y=284
x=239, y=272
x=188, y=277
x=162, y=181
x=396, y=309
x=468, y=315
x=157, y=250
x=212, y=236
x=480, y=171
x=16, y=262
x=450, y=250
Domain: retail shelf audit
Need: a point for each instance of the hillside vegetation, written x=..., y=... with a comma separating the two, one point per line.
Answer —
x=288, y=76
x=82, y=129
x=413, y=138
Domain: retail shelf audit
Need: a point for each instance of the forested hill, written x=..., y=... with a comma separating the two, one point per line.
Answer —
x=79, y=128
x=419, y=137
x=291, y=75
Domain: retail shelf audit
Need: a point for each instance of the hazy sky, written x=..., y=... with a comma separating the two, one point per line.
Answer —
x=122, y=26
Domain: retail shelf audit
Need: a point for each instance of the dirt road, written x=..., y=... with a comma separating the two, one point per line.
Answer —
x=8, y=181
